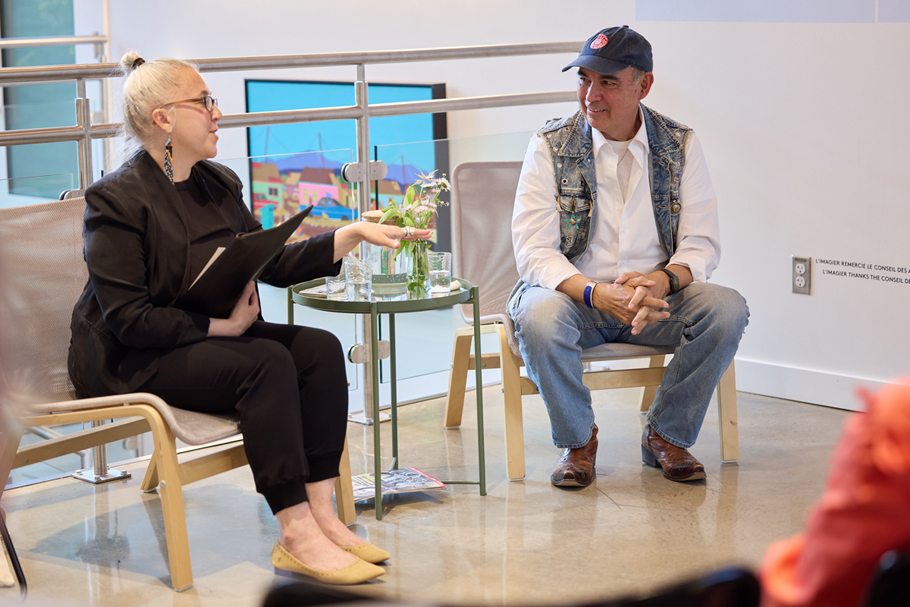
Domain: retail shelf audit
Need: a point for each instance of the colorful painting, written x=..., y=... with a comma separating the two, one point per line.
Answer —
x=296, y=165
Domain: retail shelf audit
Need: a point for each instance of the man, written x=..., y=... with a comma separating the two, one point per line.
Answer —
x=615, y=233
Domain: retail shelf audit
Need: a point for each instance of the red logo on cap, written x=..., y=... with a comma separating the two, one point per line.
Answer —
x=599, y=42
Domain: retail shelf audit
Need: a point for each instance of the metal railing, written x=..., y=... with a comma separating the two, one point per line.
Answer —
x=51, y=41
x=84, y=131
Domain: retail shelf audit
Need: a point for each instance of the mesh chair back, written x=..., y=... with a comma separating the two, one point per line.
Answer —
x=43, y=275
x=483, y=196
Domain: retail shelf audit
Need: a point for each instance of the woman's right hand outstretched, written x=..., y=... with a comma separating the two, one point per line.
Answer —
x=244, y=314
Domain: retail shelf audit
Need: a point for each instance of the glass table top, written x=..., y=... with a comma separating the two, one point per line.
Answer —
x=383, y=303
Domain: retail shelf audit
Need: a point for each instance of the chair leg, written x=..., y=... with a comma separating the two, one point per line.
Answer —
x=726, y=411
x=170, y=490
x=10, y=437
x=458, y=378
x=344, y=490
x=647, y=397
x=13, y=557
x=511, y=396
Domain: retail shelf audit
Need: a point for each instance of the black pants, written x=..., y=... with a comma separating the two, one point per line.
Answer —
x=289, y=386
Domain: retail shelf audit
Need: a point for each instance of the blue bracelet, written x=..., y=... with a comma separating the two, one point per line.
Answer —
x=589, y=291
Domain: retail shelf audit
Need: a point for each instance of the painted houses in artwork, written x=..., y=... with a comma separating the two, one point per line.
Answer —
x=279, y=194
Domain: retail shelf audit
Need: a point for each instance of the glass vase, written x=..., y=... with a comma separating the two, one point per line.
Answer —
x=419, y=270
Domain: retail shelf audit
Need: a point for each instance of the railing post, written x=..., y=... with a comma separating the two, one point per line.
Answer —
x=100, y=473
x=361, y=96
x=107, y=90
x=84, y=121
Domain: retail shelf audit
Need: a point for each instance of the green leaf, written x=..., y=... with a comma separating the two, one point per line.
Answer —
x=409, y=195
x=389, y=214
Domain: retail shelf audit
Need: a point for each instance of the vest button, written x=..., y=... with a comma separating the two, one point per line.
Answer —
x=675, y=208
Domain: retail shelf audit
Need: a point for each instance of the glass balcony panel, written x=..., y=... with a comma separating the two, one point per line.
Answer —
x=23, y=191
x=424, y=340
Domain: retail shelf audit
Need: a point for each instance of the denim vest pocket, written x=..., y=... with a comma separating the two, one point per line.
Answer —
x=574, y=223
x=667, y=221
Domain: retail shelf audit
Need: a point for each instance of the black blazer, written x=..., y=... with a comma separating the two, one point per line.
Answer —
x=137, y=249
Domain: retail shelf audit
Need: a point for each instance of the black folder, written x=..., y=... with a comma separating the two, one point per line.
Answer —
x=221, y=282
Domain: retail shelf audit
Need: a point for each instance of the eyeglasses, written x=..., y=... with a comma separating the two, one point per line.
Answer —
x=208, y=101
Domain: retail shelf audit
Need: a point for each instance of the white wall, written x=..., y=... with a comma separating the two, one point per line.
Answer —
x=804, y=126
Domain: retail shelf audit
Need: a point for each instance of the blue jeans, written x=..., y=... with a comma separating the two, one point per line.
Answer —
x=705, y=327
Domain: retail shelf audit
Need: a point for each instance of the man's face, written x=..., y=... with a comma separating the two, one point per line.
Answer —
x=610, y=103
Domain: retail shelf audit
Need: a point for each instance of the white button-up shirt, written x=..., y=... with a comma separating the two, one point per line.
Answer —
x=624, y=237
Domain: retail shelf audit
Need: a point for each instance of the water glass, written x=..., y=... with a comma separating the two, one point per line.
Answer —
x=358, y=275
x=440, y=272
x=335, y=285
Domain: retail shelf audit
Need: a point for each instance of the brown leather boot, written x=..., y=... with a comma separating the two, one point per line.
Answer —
x=677, y=463
x=575, y=467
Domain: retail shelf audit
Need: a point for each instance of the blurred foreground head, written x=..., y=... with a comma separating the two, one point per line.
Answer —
x=862, y=514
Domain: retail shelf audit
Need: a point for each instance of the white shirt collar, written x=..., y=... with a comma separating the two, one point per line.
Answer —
x=638, y=146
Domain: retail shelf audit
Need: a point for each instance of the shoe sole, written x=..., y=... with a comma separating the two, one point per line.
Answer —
x=648, y=458
x=570, y=482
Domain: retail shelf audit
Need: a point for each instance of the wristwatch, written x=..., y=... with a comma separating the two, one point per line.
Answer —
x=674, y=280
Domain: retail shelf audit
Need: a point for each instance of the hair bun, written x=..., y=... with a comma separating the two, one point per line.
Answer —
x=130, y=61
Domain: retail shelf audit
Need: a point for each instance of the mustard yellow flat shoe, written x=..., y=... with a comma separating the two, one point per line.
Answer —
x=368, y=552
x=357, y=572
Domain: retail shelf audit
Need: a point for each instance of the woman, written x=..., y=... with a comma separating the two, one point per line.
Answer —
x=150, y=227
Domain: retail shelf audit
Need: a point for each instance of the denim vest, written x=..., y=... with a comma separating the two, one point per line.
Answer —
x=571, y=150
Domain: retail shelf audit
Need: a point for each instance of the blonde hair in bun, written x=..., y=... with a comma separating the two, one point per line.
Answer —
x=147, y=86
x=130, y=61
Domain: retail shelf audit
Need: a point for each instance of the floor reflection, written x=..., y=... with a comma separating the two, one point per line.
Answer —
x=630, y=531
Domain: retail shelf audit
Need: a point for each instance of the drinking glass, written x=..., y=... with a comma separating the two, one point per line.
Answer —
x=440, y=272
x=358, y=276
x=335, y=285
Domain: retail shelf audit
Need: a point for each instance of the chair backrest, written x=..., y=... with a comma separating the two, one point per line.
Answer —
x=483, y=194
x=45, y=272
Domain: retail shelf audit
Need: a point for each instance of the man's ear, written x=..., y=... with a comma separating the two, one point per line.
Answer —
x=647, y=81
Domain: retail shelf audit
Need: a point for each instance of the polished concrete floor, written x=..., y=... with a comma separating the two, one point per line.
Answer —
x=523, y=543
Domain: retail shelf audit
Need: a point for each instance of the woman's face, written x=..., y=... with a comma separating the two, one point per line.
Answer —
x=193, y=135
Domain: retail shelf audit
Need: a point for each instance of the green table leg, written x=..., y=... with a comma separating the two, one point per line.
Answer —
x=377, y=449
x=393, y=377
x=475, y=296
x=290, y=306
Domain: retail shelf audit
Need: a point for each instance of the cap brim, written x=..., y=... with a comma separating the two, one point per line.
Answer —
x=597, y=64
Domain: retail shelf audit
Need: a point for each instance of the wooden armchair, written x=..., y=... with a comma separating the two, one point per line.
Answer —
x=41, y=247
x=484, y=193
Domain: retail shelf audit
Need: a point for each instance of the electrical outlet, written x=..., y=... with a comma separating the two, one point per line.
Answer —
x=802, y=275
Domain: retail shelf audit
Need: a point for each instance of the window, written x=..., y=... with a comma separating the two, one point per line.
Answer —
x=39, y=105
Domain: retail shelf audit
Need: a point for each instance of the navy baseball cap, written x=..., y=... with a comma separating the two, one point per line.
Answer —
x=613, y=50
